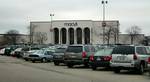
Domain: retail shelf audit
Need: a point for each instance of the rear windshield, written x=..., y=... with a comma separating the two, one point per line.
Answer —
x=123, y=50
x=103, y=52
x=76, y=49
x=60, y=50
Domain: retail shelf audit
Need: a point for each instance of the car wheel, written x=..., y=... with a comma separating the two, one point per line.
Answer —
x=116, y=70
x=26, y=59
x=94, y=67
x=56, y=63
x=149, y=72
x=86, y=64
x=44, y=60
x=69, y=65
x=141, y=70
x=33, y=61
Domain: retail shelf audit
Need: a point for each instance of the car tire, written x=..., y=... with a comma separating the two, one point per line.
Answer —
x=33, y=61
x=94, y=67
x=86, y=64
x=26, y=60
x=149, y=72
x=116, y=70
x=44, y=60
x=69, y=65
x=56, y=63
x=141, y=69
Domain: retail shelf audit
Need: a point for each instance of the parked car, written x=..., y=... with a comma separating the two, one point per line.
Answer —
x=101, y=58
x=43, y=55
x=16, y=52
x=58, y=56
x=2, y=51
x=26, y=51
x=9, y=49
x=149, y=65
x=130, y=57
x=78, y=54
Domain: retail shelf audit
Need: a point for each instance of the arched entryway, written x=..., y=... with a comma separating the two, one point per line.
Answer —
x=63, y=35
x=71, y=35
x=79, y=35
x=56, y=35
x=87, y=35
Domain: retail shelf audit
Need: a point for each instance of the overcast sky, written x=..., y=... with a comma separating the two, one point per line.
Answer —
x=17, y=14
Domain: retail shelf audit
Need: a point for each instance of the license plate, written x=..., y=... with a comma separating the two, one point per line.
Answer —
x=73, y=56
x=121, y=58
x=58, y=56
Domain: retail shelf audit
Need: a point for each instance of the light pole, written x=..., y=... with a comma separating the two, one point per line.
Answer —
x=104, y=2
x=51, y=27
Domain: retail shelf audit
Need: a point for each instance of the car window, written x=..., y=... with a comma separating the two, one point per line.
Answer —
x=76, y=49
x=60, y=50
x=103, y=52
x=148, y=50
x=87, y=48
x=141, y=50
x=124, y=50
x=48, y=53
x=40, y=52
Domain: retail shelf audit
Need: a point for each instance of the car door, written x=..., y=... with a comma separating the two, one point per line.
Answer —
x=48, y=54
x=143, y=53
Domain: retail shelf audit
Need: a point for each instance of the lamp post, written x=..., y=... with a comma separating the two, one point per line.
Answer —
x=51, y=27
x=104, y=2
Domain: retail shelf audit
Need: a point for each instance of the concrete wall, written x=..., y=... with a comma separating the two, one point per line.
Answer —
x=96, y=30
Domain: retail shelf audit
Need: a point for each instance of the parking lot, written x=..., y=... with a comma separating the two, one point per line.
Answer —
x=18, y=70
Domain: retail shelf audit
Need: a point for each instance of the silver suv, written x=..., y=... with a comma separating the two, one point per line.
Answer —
x=130, y=57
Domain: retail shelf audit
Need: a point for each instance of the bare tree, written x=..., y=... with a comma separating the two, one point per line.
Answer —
x=133, y=32
x=40, y=37
x=111, y=32
x=11, y=37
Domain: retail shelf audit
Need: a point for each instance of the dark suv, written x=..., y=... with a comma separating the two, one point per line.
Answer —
x=58, y=56
x=78, y=54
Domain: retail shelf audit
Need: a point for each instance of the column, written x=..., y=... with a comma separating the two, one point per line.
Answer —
x=75, y=37
x=67, y=39
x=59, y=36
x=83, y=36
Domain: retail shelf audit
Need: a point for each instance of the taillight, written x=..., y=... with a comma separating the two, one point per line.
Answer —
x=134, y=56
x=149, y=60
x=92, y=58
x=107, y=58
x=83, y=54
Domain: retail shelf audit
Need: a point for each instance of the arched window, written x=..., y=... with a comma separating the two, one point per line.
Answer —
x=71, y=35
x=79, y=35
x=63, y=35
x=56, y=35
x=87, y=35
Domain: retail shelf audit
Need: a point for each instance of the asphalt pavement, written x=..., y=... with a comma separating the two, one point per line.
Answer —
x=18, y=70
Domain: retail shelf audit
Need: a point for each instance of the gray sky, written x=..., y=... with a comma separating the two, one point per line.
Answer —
x=17, y=14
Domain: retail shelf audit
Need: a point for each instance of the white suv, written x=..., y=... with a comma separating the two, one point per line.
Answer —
x=130, y=57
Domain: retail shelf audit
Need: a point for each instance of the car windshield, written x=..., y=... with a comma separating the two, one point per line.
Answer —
x=124, y=50
x=76, y=49
x=39, y=52
x=103, y=52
